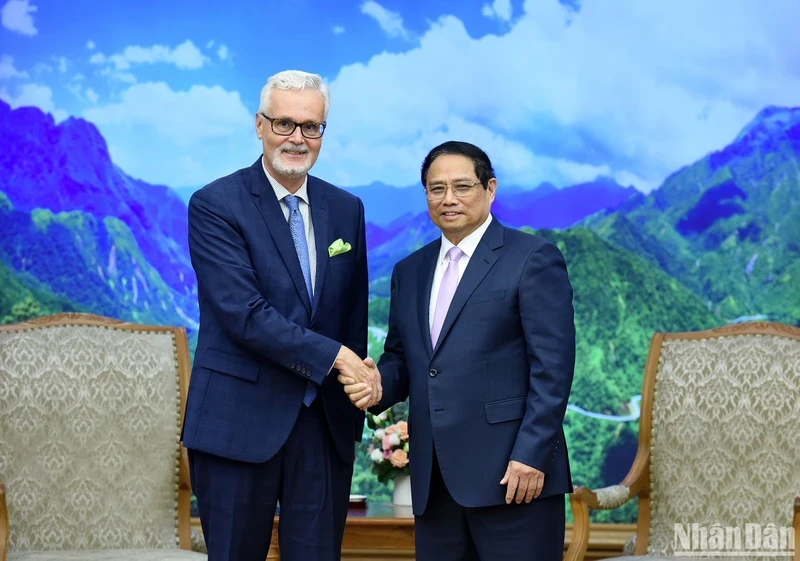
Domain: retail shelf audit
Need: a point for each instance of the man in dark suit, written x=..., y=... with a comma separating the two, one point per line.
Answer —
x=482, y=340
x=281, y=267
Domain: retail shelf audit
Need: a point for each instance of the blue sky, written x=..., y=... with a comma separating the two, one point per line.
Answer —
x=554, y=91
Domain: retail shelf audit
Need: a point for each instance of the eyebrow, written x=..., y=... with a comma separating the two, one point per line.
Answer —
x=442, y=181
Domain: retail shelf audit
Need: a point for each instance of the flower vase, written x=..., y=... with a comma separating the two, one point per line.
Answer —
x=402, y=490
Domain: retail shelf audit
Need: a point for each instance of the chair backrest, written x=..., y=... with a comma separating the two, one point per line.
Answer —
x=724, y=446
x=90, y=412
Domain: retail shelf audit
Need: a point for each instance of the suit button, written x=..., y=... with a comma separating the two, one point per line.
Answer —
x=433, y=372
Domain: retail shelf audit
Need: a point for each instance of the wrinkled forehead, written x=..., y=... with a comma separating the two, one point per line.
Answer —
x=449, y=168
x=298, y=105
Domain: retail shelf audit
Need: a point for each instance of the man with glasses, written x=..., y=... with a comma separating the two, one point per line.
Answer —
x=482, y=341
x=281, y=263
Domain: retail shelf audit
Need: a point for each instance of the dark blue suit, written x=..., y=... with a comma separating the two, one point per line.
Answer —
x=252, y=441
x=494, y=389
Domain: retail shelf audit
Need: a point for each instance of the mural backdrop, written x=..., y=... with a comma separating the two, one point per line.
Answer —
x=657, y=143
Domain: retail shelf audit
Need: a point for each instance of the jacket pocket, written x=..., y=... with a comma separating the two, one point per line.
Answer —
x=486, y=297
x=230, y=364
x=505, y=409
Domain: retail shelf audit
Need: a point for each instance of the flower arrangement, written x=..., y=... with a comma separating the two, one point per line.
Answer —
x=388, y=447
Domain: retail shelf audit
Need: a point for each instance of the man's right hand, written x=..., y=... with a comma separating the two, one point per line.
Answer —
x=357, y=376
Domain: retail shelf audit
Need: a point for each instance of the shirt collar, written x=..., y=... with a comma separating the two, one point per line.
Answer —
x=281, y=191
x=469, y=244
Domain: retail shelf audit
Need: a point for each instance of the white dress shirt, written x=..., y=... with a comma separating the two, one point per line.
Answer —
x=305, y=212
x=468, y=245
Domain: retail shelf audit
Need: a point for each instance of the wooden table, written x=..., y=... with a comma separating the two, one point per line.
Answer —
x=384, y=531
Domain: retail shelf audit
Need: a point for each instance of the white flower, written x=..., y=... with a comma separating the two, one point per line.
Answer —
x=383, y=416
x=379, y=433
x=376, y=456
x=394, y=439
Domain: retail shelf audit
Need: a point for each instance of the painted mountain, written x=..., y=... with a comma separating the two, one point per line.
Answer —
x=78, y=233
x=727, y=226
x=718, y=242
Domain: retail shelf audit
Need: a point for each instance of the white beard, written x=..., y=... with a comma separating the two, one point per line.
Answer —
x=291, y=171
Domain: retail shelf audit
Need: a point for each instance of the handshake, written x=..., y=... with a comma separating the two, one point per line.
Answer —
x=361, y=379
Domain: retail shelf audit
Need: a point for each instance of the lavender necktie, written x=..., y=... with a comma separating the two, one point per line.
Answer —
x=446, y=292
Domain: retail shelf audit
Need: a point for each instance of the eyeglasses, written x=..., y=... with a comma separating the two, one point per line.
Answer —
x=462, y=189
x=285, y=127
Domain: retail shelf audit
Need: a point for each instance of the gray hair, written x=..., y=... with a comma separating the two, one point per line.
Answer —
x=293, y=80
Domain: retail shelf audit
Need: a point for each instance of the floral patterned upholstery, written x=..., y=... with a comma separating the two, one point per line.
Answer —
x=718, y=460
x=89, y=442
x=724, y=436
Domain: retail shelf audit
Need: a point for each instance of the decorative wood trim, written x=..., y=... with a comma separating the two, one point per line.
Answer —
x=4, y=524
x=796, y=526
x=746, y=328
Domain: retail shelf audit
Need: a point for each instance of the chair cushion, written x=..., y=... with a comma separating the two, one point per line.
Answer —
x=724, y=436
x=109, y=555
x=89, y=437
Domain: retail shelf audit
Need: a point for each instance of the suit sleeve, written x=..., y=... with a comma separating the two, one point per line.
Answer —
x=227, y=281
x=548, y=323
x=392, y=364
x=357, y=340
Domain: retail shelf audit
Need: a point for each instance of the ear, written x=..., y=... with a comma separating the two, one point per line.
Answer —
x=492, y=188
x=259, y=126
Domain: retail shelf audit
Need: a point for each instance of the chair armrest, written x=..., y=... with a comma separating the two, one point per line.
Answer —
x=4, y=524
x=579, y=541
x=796, y=526
x=605, y=498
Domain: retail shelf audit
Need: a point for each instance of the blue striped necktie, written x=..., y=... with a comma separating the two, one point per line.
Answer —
x=298, y=230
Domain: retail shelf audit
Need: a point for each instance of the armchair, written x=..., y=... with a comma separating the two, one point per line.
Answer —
x=90, y=453
x=717, y=471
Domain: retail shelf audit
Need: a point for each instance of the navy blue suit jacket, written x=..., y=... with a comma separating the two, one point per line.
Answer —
x=260, y=340
x=496, y=386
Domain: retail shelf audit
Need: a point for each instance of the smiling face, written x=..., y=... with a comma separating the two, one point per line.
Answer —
x=458, y=215
x=289, y=158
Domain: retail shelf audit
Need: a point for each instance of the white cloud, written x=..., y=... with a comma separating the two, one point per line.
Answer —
x=62, y=63
x=210, y=44
x=607, y=89
x=500, y=9
x=179, y=138
x=223, y=52
x=17, y=16
x=391, y=22
x=33, y=95
x=90, y=45
x=7, y=69
x=185, y=56
x=91, y=95
x=338, y=29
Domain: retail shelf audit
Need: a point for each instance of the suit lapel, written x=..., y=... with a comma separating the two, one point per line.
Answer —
x=319, y=218
x=270, y=209
x=425, y=279
x=478, y=267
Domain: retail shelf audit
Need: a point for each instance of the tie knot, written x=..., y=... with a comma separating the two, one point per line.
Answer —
x=454, y=254
x=292, y=201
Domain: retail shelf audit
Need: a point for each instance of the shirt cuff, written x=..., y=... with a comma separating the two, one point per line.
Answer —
x=334, y=361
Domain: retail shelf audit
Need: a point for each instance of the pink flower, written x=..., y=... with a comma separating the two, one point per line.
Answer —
x=387, y=454
x=399, y=458
x=387, y=442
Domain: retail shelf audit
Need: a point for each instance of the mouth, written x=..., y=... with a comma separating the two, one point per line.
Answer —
x=450, y=215
x=294, y=153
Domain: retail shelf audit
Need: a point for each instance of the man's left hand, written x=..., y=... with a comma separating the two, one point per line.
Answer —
x=523, y=482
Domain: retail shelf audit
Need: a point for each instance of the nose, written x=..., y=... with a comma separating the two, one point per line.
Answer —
x=297, y=137
x=450, y=196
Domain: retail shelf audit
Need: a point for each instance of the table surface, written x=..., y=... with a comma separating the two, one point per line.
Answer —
x=381, y=513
